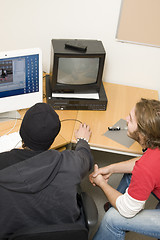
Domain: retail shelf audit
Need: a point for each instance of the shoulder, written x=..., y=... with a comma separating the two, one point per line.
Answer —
x=150, y=157
x=14, y=156
x=145, y=175
x=152, y=152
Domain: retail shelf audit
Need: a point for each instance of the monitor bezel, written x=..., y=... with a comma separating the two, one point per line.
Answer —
x=71, y=88
x=22, y=101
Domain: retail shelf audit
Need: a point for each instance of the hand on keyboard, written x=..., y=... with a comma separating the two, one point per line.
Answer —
x=10, y=141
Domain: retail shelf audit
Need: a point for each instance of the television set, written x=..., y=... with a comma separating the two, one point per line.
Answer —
x=76, y=71
x=20, y=80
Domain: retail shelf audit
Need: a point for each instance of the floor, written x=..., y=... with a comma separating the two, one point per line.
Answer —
x=103, y=159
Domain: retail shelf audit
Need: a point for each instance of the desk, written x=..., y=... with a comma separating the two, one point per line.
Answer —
x=120, y=101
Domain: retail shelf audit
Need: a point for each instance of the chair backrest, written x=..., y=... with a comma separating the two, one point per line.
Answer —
x=53, y=232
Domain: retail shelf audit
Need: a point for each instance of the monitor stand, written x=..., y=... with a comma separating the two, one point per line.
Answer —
x=8, y=116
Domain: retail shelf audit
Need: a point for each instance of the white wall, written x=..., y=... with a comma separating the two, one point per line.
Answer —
x=33, y=23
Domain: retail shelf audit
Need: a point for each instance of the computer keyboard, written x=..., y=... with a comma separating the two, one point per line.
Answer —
x=10, y=141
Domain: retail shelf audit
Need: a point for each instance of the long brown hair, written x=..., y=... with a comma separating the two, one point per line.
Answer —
x=148, y=120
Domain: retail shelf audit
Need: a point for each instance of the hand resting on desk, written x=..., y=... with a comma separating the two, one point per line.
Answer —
x=83, y=132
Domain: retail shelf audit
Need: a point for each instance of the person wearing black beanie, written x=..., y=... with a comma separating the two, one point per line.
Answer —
x=39, y=127
x=38, y=185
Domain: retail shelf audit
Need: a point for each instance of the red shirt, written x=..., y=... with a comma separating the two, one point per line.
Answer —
x=146, y=176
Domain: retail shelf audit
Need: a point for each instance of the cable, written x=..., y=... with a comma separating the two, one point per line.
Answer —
x=70, y=119
x=22, y=119
x=14, y=118
x=12, y=127
x=20, y=141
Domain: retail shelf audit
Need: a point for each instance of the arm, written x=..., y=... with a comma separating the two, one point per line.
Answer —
x=82, y=150
x=124, y=203
x=111, y=193
x=100, y=177
x=121, y=167
x=102, y=182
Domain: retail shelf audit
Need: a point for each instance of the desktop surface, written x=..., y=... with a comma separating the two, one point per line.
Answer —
x=121, y=99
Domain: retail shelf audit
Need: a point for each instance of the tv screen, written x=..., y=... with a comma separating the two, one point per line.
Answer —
x=77, y=70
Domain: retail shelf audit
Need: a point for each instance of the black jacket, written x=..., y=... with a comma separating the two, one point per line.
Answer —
x=41, y=189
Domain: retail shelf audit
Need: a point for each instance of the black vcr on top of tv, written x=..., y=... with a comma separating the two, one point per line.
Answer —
x=60, y=103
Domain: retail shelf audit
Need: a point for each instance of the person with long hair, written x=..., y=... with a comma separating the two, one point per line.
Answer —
x=141, y=178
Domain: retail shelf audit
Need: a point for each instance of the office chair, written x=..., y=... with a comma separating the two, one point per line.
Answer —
x=65, y=231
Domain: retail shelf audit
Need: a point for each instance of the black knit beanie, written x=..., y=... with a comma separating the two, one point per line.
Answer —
x=39, y=127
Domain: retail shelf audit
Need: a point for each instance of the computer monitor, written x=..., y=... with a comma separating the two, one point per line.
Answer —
x=20, y=79
x=76, y=65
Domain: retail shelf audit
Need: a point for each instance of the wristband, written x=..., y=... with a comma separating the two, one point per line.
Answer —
x=82, y=138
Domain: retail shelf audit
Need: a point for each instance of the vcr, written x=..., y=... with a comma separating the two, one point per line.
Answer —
x=59, y=103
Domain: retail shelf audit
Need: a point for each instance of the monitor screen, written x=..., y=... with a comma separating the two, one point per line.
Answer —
x=20, y=79
x=77, y=71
